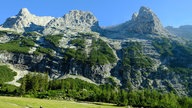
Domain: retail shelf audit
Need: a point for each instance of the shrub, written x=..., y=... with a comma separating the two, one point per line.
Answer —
x=78, y=42
x=54, y=39
x=6, y=74
x=44, y=50
x=21, y=45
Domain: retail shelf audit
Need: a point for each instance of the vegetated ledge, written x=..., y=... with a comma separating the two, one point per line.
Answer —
x=21, y=45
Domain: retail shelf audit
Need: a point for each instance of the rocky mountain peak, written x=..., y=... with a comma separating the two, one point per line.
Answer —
x=80, y=18
x=148, y=15
x=24, y=12
x=145, y=22
x=144, y=9
x=75, y=19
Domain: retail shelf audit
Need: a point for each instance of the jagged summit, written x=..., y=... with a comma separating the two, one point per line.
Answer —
x=82, y=16
x=144, y=9
x=75, y=19
x=143, y=22
x=23, y=12
x=25, y=21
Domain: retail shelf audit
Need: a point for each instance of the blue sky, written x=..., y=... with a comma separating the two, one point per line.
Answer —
x=108, y=12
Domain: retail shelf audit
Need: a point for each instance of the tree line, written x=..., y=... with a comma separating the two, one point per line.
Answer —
x=37, y=85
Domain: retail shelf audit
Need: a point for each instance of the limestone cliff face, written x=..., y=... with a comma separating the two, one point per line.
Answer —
x=56, y=67
x=25, y=21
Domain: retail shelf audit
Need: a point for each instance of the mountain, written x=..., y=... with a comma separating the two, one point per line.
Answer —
x=144, y=22
x=134, y=55
x=182, y=31
x=25, y=21
x=75, y=20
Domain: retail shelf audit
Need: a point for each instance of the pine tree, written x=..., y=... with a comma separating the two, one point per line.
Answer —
x=46, y=79
x=23, y=86
x=123, y=98
x=35, y=82
x=29, y=82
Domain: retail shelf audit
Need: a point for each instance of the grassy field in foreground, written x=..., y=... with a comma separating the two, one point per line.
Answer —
x=17, y=102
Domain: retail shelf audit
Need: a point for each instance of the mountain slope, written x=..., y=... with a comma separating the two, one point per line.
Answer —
x=146, y=56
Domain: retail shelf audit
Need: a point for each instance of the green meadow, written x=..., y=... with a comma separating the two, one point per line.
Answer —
x=19, y=102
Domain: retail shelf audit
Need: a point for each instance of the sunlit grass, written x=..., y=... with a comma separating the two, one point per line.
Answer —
x=18, y=102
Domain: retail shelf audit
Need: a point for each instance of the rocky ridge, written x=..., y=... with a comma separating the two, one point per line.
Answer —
x=25, y=21
x=143, y=22
x=75, y=20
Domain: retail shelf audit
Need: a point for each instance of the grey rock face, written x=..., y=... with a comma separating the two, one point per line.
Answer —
x=56, y=67
x=25, y=21
x=146, y=22
x=74, y=20
x=143, y=23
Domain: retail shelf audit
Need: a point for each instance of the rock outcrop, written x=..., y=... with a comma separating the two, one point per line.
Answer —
x=74, y=20
x=25, y=21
